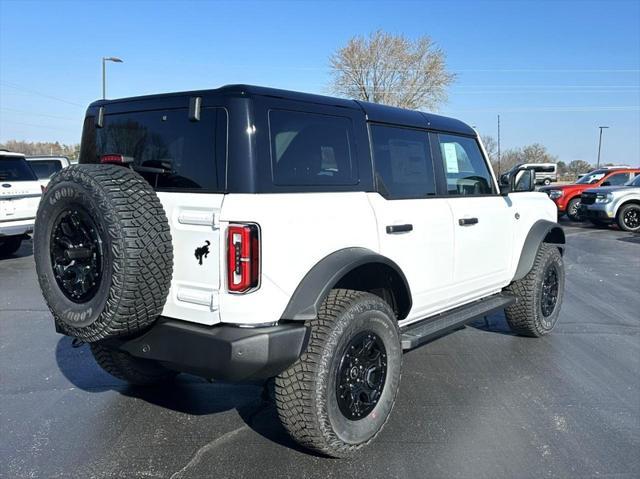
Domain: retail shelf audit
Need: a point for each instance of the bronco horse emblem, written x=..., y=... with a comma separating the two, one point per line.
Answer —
x=202, y=252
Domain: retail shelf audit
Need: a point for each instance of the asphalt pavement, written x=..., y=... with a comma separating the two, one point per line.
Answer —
x=479, y=403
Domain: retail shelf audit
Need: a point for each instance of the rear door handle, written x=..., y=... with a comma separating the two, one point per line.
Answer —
x=468, y=221
x=391, y=229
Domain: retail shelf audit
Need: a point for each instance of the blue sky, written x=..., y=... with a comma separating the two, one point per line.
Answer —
x=553, y=70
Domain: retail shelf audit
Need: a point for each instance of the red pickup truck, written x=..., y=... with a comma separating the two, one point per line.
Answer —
x=567, y=197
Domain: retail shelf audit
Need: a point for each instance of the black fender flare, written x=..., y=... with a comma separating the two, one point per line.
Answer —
x=541, y=231
x=325, y=274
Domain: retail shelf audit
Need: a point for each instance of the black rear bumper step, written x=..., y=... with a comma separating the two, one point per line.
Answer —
x=221, y=352
x=427, y=329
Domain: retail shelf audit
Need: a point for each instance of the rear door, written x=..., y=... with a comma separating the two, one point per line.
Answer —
x=483, y=220
x=185, y=161
x=415, y=229
x=19, y=190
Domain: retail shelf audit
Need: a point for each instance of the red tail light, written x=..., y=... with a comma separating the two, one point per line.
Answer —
x=116, y=159
x=243, y=258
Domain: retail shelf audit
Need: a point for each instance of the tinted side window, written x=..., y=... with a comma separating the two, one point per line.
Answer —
x=311, y=149
x=618, y=179
x=403, y=165
x=178, y=154
x=465, y=168
x=45, y=169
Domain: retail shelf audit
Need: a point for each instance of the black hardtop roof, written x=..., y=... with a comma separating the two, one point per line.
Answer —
x=375, y=112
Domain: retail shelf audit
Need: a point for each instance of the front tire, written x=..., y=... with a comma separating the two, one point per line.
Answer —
x=538, y=295
x=573, y=210
x=337, y=397
x=629, y=218
x=547, y=182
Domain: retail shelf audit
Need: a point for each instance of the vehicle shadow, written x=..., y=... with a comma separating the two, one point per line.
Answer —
x=254, y=402
x=493, y=323
x=26, y=249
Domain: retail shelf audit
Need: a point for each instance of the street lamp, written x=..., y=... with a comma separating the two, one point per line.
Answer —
x=104, y=74
x=600, y=144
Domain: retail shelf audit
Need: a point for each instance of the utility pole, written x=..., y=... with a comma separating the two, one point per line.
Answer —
x=104, y=73
x=499, y=164
x=600, y=144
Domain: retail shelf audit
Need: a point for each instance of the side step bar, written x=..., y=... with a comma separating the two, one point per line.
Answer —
x=429, y=328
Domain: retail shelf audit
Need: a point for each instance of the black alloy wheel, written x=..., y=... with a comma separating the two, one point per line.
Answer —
x=76, y=254
x=361, y=375
x=631, y=218
x=550, y=287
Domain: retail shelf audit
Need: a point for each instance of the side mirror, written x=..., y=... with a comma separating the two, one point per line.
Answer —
x=522, y=179
x=606, y=183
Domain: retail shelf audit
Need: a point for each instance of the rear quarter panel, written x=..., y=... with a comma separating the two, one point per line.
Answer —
x=297, y=230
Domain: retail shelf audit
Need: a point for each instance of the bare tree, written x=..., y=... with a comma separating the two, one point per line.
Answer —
x=41, y=148
x=491, y=147
x=537, y=153
x=391, y=69
x=577, y=167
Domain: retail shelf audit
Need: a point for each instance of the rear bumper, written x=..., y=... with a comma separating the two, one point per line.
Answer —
x=220, y=352
x=16, y=227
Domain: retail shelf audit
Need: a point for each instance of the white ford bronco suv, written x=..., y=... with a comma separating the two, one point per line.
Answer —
x=248, y=233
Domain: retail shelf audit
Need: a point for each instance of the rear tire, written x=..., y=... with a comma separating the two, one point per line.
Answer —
x=337, y=397
x=547, y=182
x=538, y=295
x=9, y=245
x=628, y=218
x=121, y=365
x=573, y=210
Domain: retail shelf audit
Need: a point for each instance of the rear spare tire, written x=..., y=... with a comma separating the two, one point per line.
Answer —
x=103, y=252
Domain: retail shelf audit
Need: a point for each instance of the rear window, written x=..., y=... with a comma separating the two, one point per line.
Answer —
x=311, y=149
x=168, y=150
x=45, y=169
x=15, y=169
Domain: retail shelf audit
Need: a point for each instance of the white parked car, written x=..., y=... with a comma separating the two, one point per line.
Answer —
x=249, y=233
x=46, y=166
x=20, y=194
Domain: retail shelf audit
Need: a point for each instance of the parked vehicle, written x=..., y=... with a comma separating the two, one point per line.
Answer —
x=613, y=204
x=19, y=196
x=250, y=233
x=546, y=173
x=567, y=197
x=46, y=166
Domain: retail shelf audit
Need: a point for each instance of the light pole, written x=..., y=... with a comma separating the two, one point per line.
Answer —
x=600, y=144
x=104, y=73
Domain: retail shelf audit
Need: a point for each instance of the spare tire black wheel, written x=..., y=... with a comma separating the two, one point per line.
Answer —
x=103, y=252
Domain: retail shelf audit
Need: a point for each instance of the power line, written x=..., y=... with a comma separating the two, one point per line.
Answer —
x=33, y=125
x=44, y=115
x=44, y=95
x=549, y=109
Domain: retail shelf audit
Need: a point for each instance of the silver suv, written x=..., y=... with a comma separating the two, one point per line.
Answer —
x=608, y=204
